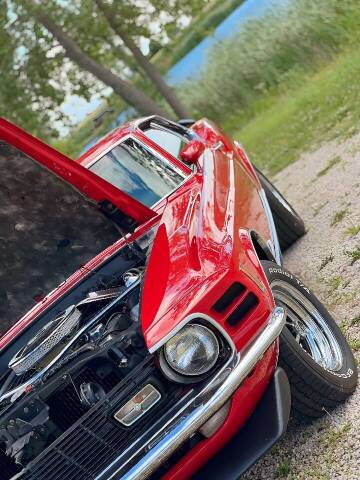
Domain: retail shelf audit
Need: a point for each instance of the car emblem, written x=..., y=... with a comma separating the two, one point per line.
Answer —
x=140, y=403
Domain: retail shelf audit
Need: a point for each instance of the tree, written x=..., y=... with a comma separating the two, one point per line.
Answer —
x=139, y=100
x=39, y=73
x=21, y=100
x=155, y=76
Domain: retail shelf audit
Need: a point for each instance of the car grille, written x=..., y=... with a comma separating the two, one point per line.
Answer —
x=96, y=439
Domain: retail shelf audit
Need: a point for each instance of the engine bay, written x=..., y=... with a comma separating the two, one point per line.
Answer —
x=70, y=363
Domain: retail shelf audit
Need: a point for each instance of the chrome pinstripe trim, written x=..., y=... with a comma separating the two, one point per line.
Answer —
x=275, y=246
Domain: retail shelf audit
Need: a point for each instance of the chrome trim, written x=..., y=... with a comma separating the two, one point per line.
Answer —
x=206, y=403
x=138, y=408
x=308, y=327
x=218, y=146
x=18, y=391
x=276, y=250
x=188, y=319
x=138, y=140
x=155, y=153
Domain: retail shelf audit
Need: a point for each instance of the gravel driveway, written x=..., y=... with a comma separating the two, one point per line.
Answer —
x=324, y=187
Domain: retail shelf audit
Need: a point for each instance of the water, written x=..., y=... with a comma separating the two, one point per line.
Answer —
x=190, y=65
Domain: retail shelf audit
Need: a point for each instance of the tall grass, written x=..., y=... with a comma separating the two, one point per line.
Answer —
x=266, y=54
x=200, y=28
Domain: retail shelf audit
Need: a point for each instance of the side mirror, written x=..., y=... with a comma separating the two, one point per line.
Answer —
x=192, y=152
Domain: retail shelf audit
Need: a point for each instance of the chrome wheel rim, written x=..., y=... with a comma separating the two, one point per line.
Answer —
x=308, y=327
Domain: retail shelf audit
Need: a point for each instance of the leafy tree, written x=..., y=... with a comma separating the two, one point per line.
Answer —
x=73, y=51
x=124, y=25
x=24, y=100
x=53, y=49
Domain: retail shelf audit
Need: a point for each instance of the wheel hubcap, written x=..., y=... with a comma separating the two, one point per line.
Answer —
x=308, y=326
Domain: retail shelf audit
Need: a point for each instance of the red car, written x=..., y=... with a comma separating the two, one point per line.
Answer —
x=178, y=345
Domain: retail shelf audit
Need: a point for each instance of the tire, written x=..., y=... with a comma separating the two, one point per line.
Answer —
x=316, y=385
x=289, y=225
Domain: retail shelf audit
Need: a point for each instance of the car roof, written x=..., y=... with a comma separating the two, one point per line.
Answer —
x=115, y=135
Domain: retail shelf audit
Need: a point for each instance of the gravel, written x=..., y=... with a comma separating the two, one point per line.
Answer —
x=324, y=187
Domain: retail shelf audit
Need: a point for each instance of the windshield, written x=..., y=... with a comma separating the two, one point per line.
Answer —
x=132, y=168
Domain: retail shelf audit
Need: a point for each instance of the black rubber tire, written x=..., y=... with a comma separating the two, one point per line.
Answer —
x=289, y=225
x=314, y=390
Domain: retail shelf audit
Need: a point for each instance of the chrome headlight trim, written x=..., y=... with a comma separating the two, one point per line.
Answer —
x=186, y=320
x=227, y=350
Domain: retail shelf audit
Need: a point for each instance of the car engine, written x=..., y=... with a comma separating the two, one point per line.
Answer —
x=69, y=365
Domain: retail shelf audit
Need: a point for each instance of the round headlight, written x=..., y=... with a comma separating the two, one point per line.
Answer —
x=194, y=350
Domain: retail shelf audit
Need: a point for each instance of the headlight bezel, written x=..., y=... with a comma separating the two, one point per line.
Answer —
x=225, y=346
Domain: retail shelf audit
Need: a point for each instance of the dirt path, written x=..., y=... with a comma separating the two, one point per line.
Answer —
x=324, y=187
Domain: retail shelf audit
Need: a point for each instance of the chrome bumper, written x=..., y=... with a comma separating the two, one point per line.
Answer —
x=204, y=405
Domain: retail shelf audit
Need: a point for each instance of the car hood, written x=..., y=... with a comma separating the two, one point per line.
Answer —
x=52, y=219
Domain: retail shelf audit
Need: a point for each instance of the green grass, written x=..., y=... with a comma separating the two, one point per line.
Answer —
x=354, y=344
x=339, y=216
x=353, y=230
x=282, y=470
x=282, y=85
x=355, y=321
x=333, y=282
x=331, y=163
x=327, y=106
x=334, y=435
x=354, y=254
x=285, y=83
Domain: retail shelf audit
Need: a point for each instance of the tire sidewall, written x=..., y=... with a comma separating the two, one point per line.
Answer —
x=346, y=377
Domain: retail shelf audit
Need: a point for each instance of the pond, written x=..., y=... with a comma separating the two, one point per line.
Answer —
x=190, y=65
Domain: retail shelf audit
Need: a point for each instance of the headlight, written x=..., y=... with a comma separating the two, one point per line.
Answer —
x=194, y=350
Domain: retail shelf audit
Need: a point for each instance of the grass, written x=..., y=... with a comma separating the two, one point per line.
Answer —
x=333, y=283
x=339, y=216
x=355, y=321
x=283, y=470
x=333, y=435
x=331, y=163
x=327, y=259
x=354, y=344
x=354, y=254
x=353, y=230
x=327, y=106
x=281, y=85
x=286, y=83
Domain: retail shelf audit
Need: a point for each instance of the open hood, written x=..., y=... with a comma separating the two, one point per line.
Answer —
x=86, y=182
x=51, y=223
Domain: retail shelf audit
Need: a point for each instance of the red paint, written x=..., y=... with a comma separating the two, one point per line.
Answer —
x=243, y=404
x=202, y=246
x=191, y=153
x=72, y=172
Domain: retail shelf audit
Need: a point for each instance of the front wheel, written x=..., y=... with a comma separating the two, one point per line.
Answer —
x=313, y=351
